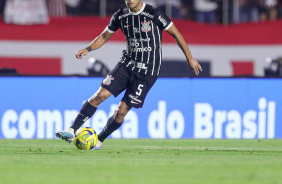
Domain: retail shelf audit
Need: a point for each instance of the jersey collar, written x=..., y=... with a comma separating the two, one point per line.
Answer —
x=137, y=13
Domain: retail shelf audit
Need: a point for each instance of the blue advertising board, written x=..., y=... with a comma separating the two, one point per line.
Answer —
x=232, y=108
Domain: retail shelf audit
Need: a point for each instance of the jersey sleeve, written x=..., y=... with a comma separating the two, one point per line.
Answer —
x=114, y=23
x=162, y=19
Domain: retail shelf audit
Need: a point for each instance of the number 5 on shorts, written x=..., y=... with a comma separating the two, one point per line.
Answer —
x=139, y=89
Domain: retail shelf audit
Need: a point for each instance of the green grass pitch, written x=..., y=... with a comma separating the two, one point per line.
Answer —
x=142, y=161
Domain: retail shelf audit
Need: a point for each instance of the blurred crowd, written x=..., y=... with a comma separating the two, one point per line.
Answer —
x=212, y=11
x=206, y=11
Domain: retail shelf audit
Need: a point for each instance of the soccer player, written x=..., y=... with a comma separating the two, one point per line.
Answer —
x=138, y=68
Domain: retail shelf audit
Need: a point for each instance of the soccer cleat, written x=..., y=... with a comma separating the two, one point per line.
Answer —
x=98, y=145
x=97, y=148
x=67, y=135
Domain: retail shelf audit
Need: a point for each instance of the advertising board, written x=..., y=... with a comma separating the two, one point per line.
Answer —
x=37, y=107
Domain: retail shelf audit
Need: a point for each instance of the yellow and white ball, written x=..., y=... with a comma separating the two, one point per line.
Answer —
x=85, y=138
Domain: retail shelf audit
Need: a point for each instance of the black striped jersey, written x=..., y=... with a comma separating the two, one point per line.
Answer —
x=143, y=33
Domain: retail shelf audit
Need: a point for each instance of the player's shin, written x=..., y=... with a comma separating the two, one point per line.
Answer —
x=109, y=128
x=85, y=113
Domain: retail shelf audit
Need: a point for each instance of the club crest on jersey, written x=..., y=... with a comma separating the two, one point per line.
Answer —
x=146, y=26
x=108, y=80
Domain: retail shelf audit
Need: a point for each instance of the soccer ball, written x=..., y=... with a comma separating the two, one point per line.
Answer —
x=85, y=138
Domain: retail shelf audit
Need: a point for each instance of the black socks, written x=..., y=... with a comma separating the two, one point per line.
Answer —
x=85, y=113
x=110, y=127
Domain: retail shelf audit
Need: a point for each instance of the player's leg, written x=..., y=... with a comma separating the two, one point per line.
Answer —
x=134, y=96
x=90, y=107
x=113, y=123
x=114, y=83
x=86, y=112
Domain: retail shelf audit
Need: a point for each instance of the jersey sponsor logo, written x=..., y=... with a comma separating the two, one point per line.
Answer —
x=146, y=26
x=140, y=40
x=136, y=30
x=163, y=21
x=134, y=43
x=141, y=66
x=138, y=65
x=108, y=80
x=147, y=15
x=145, y=39
x=142, y=49
x=134, y=98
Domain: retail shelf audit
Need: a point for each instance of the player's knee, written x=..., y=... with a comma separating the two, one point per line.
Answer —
x=120, y=112
x=98, y=98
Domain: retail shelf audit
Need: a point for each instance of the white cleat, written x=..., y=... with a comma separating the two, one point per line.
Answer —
x=67, y=135
x=98, y=145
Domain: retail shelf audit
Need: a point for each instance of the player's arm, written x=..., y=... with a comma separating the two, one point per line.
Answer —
x=192, y=63
x=95, y=44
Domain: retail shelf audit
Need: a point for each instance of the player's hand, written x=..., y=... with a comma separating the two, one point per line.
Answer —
x=195, y=66
x=81, y=53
